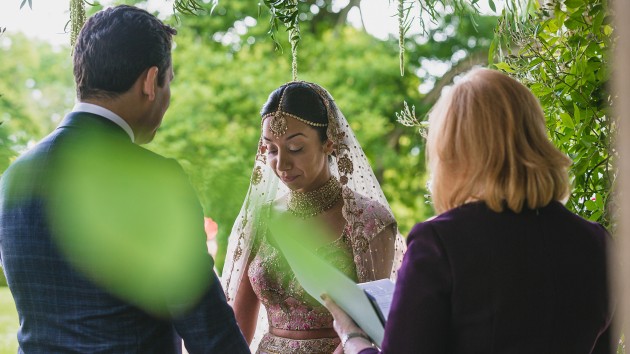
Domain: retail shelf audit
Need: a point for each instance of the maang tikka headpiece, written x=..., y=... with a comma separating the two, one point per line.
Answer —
x=278, y=122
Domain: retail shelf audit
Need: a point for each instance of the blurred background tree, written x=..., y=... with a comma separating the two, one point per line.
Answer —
x=225, y=66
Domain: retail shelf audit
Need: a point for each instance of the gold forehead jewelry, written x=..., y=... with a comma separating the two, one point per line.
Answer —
x=312, y=203
x=278, y=122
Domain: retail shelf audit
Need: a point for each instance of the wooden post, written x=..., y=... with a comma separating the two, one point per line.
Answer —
x=621, y=89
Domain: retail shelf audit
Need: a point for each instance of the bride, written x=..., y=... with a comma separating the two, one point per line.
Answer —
x=309, y=164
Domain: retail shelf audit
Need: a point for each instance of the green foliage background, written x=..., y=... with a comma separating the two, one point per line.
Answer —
x=225, y=66
x=8, y=323
x=562, y=53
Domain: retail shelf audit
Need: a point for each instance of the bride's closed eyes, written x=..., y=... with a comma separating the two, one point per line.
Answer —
x=294, y=144
x=294, y=149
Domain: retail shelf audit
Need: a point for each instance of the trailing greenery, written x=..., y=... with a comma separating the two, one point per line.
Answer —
x=286, y=12
x=190, y=7
x=561, y=51
x=77, y=19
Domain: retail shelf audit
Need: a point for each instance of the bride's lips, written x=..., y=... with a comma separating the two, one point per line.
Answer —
x=288, y=179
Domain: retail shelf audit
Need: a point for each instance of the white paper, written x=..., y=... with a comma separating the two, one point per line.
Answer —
x=383, y=291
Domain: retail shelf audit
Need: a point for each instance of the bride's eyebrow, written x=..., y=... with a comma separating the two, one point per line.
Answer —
x=294, y=135
x=287, y=138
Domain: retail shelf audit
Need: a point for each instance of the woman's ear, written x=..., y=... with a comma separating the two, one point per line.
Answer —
x=150, y=82
x=329, y=147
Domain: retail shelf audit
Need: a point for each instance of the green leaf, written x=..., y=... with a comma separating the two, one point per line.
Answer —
x=540, y=89
x=599, y=199
x=576, y=114
x=597, y=21
x=588, y=140
x=592, y=50
x=492, y=6
x=608, y=30
x=590, y=205
x=493, y=49
x=30, y=4
x=572, y=24
x=574, y=4
x=595, y=216
x=504, y=66
x=560, y=16
x=566, y=119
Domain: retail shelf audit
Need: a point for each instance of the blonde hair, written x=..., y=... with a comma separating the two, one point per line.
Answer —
x=488, y=141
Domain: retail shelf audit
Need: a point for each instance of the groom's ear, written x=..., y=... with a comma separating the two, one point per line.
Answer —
x=149, y=82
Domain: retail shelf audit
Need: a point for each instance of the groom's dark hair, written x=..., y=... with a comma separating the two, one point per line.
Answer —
x=115, y=46
x=300, y=99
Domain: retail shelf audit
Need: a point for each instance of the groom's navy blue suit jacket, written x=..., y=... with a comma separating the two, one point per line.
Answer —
x=62, y=309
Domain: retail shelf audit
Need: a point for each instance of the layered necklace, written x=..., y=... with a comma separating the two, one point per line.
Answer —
x=309, y=204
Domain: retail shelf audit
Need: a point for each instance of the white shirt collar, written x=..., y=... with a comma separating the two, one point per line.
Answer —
x=106, y=113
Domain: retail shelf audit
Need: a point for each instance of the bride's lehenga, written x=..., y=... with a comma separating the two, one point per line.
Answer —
x=369, y=248
x=288, y=306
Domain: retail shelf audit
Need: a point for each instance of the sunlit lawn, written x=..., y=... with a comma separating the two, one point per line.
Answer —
x=8, y=322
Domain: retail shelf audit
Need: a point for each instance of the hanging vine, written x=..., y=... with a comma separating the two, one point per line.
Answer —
x=77, y=19
x=434, y=9
x=190, y=7
x=401, y=35
x=285, y=11
x=30, y=3
x=78, y=13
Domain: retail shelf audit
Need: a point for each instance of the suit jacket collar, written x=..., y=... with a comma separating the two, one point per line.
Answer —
x=93, y=122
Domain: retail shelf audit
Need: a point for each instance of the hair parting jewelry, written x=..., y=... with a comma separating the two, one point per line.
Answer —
x=273, y=115
x=315, y=202
x=278, y=122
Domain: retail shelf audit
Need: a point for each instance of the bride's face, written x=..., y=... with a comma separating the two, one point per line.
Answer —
x=298, y=157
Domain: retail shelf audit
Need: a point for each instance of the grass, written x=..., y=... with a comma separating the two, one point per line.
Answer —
x=8, y=322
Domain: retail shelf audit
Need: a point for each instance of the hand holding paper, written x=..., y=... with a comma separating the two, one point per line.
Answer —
x=345, y=326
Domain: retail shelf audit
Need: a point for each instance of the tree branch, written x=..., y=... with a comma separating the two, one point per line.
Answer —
x=476, y=58
x=343, y=14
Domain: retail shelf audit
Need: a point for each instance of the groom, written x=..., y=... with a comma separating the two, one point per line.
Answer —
x=102, y=241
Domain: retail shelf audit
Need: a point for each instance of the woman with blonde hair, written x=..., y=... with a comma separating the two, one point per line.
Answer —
x=504, y=267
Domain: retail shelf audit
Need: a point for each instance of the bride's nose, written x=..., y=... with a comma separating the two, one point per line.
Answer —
x=284, y=163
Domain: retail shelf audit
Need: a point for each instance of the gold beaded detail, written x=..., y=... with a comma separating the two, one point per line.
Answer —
x=312, y=203
x=274, y=116
x=278, y=122
x=256, y=175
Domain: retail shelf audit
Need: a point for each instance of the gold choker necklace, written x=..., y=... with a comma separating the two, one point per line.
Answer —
x=311, y=203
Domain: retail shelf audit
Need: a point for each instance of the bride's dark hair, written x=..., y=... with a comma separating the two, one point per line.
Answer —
x=299, y=99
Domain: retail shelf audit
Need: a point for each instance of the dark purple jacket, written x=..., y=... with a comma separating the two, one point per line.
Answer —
x=477, y=281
